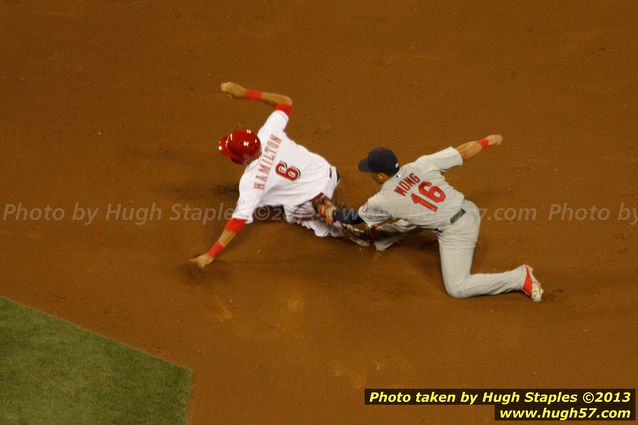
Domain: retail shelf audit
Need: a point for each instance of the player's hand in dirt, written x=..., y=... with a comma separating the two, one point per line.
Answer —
x=494, y=139
x=202, y=260
x=233, y=90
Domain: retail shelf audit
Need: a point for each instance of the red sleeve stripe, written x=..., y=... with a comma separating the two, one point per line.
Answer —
x=235, y=225
x=286, y=109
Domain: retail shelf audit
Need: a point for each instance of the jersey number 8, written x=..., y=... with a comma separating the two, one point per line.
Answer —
x=290, y=173
x=433, y=193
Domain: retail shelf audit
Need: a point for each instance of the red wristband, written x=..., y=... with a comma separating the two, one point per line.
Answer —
x=216, y=249
x=286, y=109
x=484, y=143
x=253, y=94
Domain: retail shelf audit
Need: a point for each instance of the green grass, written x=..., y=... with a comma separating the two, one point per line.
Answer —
x=55, y=373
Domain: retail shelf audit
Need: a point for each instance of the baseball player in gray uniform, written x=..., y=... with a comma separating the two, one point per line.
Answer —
x=416, y=196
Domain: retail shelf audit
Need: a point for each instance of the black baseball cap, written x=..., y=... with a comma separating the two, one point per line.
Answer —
x=380, y=160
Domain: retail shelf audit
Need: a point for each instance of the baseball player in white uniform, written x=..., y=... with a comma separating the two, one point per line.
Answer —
x=416, y=196
x=279, y=172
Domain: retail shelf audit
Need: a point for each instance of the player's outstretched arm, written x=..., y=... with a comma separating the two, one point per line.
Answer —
x=330, y=214
x=231, y=230
x=470, y=149
x=236, y=91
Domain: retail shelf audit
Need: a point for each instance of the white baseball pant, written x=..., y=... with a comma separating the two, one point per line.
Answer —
x=456, y=246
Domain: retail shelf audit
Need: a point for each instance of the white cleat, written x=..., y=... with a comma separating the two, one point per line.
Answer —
x=532, y=287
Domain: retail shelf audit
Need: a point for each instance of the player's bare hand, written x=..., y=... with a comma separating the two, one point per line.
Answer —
x=233, y=90
x=494, y=139
x=202, y=260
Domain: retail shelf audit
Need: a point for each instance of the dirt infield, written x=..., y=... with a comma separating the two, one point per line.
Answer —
x=114, y=104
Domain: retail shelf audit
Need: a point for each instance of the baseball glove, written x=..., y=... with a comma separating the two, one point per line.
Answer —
x=324, y=207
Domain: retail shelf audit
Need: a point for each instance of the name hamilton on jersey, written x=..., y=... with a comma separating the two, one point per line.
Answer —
x=266, y=161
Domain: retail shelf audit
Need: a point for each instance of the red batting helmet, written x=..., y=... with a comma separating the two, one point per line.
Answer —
x=241, y=146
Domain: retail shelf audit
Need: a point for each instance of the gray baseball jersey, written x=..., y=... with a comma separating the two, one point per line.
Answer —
x=418, y=193
x=419, y=196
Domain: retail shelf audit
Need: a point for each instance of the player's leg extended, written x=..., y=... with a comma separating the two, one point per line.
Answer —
x=456, y=246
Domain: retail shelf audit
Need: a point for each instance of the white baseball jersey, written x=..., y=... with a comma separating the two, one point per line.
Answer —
x=418, y=193
x=284, y=174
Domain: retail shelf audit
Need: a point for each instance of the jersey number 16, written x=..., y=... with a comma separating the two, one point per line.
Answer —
x=433, y=193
